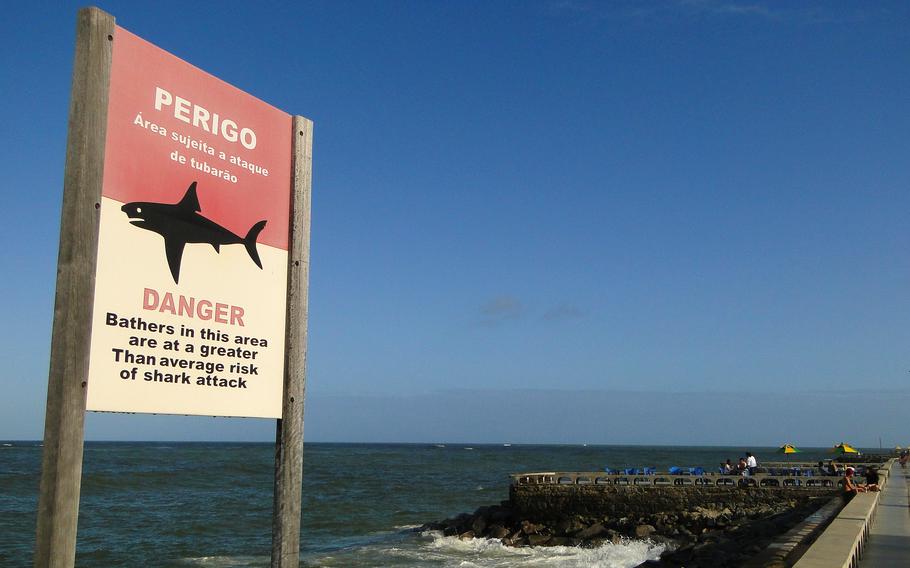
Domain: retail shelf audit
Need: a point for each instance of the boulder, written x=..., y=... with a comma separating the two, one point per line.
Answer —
x=479, y=525
x=466, y=535
x=498, y=531
x=528, y=527
x=644, y=531
x=593, y=531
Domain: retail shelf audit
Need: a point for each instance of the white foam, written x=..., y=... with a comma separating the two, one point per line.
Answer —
x=491, y=553
x=433, y=549
x=227, y=561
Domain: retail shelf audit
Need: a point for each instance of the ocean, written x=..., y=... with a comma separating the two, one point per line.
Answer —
x=210, y=504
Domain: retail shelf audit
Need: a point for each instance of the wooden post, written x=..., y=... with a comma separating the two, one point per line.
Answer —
x=61, y=465
x=289, y=430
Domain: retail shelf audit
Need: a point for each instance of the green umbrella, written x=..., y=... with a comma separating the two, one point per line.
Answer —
x=843, y=448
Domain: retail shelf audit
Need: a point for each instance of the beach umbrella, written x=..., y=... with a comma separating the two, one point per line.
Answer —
x=843, y=448
x=787, y=449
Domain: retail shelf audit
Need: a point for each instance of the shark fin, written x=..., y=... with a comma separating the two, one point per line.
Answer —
x=190, y=201
x=174, y=251
x=250, y=242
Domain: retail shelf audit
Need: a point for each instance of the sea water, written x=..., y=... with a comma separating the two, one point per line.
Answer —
x=210, y=504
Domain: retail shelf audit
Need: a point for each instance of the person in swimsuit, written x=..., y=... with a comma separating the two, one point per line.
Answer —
x=850, y=485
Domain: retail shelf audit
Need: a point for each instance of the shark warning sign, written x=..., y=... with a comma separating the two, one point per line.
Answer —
x=191, y=286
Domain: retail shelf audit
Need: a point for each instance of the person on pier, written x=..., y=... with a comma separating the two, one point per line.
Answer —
x=851, y=487
x=872, y=479
x=751, y=462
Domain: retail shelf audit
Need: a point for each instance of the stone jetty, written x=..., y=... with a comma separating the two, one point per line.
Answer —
x=704, y=520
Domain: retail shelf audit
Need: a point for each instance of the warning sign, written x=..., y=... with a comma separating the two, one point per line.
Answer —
x=191, y=284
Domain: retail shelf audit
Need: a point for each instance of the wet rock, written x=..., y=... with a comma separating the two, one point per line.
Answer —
x=502, y=515
x=644, y=531
x=712, y=535
x=570, y=526
x=482, y=511
x=593, y=531
x=479, y=525
x=497, y=531
x=528, y=527
x=538, y=539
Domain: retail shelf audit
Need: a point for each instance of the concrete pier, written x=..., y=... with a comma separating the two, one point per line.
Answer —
x=889, y=539
x=846, y=541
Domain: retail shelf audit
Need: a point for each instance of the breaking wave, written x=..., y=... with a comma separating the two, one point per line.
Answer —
x=430, y=548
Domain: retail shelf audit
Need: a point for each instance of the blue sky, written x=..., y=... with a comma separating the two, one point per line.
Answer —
x=698, y=207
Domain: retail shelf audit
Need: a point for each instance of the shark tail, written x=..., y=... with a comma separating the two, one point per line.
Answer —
x=250, y=242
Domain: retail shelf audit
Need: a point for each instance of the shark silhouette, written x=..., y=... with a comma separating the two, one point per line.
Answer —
x=180, y=223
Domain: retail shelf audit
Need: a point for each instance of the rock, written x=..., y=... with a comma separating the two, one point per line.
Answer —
x=658, y=539
x=482, y=511
x=479, y=525
x=593, y=531
x=502, y=516
x=560, y=541
x=466, y=535
x=712, y=535
x=683, y=554
x=569, y=526
x=435, y=526
x=528, y=527
x=644, y=531
x=538, y=539
x=461, y=523
x=498, y=531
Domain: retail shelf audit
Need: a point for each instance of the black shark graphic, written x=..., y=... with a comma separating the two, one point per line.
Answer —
x=181, y=223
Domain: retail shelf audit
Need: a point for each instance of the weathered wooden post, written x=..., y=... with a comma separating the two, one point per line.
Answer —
x=289, y=431
x=61, y=462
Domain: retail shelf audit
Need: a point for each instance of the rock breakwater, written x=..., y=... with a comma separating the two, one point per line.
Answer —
x=700, y=526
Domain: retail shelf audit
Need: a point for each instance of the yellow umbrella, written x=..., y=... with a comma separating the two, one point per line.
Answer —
x=843, y=448
x=788, y=449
